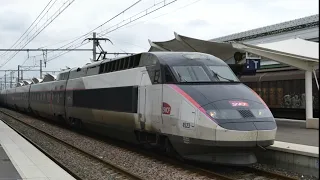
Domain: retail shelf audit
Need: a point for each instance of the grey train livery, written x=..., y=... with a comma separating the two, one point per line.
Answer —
x=187, y=103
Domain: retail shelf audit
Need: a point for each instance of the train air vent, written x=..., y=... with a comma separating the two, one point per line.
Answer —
x=246, y=113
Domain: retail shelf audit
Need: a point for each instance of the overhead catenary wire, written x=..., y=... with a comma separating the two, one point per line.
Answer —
x=177, y=9
x=4, y=53
x=118, y=26
x=75, y=46
x=53, y=17
x=64, y=6
x=59, y=12
x=88, y=33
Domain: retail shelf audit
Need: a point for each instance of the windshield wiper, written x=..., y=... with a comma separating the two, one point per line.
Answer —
x=216, y=74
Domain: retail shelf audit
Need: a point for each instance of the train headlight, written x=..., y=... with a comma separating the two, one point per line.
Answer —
x=261, y=113
x=224, y=114
x=213, y=114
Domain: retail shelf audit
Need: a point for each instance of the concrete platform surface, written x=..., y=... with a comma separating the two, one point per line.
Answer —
x=292, y=148
x=28, y=161
x=7, y=169
x=296, y=132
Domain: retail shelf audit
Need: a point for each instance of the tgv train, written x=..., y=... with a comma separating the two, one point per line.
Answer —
x=186, y=103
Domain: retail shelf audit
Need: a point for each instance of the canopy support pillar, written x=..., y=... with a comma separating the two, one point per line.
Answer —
x=310, y=121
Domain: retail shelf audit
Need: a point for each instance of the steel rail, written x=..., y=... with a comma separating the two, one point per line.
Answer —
x=192, y=168
x=113, y=166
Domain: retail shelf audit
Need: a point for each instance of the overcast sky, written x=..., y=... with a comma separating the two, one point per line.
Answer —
x=204, y=19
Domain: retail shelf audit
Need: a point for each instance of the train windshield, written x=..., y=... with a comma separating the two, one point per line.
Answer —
x=223, y=73
x=196, y=73
x=191, y=73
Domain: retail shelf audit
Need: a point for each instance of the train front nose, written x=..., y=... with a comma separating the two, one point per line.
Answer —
x=233, y=106
x=241, y=115
x=242, y=123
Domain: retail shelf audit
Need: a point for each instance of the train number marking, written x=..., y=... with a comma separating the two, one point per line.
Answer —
x=238, y=103
x=186, y=125
x=166, y=108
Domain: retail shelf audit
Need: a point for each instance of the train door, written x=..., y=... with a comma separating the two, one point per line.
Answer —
x=187, y=117
x=53, y=98
x=142, y=99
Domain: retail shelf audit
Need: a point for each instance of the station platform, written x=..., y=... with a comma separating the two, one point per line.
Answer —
x=296, y=148
x=295, y=131
x=21, y=160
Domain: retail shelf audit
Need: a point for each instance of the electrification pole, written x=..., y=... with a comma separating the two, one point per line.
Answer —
x=94, y=49
x=40, y=69
x=11, y=73
x=18, y=73
x=5, y=79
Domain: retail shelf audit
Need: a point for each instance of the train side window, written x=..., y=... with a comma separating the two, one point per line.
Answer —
x=136, y=61
x=168, y=75
x=112, y=66
x=130, y=64
x=125, y=63
x=116, y=65
x=109, y=66
x=106, y=66
x=121, y=64
x=156, y=76
x=102, y=67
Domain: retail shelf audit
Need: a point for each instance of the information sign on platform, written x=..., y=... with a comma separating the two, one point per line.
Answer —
x=252, y=63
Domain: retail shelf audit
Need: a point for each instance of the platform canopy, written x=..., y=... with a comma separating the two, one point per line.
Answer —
x=294, y=52
x=180, y=43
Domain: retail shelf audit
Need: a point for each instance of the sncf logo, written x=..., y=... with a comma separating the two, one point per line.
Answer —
x=238, y=103
x=166, y=108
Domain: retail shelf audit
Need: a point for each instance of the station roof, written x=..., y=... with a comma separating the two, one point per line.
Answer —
x=294, y=52
x=288, y=26
x=181, y=43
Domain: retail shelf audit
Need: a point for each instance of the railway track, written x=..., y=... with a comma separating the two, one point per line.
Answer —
x=224, y=172
x=228, y=173
x=115, y=171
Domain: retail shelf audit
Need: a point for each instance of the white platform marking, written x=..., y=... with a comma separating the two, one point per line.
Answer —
x=31, y=163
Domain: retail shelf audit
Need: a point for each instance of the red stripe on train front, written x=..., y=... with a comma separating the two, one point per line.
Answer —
x=190, y=99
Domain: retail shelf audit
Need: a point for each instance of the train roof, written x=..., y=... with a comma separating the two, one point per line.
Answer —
x=169, y=57
x=19, y=84
x=92, y=64
x=36, y=80
x=48, y=77
x=26, y=82
x=176, y=57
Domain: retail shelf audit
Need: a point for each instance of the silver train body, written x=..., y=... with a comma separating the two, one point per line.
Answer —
x=189, y=102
